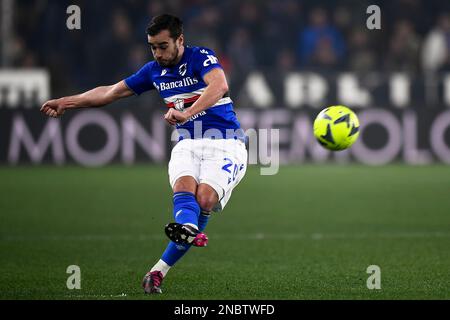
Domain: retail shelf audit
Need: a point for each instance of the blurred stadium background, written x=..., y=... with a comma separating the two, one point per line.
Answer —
x=91, y=188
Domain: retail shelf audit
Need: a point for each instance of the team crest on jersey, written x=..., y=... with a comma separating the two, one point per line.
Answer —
x=179, y=104
x=163, y=72
x=182, y=69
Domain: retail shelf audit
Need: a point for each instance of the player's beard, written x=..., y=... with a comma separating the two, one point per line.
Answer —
x=171, y=62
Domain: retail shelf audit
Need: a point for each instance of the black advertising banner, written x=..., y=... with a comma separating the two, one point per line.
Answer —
x=136, y=135
x=404, y=118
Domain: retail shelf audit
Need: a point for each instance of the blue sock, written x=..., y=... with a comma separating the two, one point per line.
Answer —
x=202, y=221
x=174, y=251
x=185, y=208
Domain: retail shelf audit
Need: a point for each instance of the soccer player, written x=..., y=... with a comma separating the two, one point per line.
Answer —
x=210, y=158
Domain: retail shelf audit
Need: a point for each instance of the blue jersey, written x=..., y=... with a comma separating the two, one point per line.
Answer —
x=181, y=85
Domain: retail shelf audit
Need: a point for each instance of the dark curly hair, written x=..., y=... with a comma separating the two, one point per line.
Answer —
x=166, y=22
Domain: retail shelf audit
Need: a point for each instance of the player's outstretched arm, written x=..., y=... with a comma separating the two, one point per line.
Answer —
x=96, y=97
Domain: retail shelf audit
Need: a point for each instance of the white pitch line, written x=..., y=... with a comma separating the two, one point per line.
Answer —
x=97, y=296
x=250, y=236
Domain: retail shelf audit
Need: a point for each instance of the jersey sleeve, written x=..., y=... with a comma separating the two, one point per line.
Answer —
x=141, y=81
x=204, y=61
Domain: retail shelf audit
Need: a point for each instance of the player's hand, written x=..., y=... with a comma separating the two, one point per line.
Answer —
x=174, y=116
x=53, y=108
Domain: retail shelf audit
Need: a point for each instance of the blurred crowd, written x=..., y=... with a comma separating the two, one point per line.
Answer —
x=282, y=35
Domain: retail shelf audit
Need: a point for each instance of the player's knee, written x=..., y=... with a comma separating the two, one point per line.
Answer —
x=185, y=184
x=206, y=201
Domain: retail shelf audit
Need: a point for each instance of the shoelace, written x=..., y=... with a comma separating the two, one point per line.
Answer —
x=156, y=277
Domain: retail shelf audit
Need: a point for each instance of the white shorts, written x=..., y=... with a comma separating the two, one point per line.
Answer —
x=220, y=163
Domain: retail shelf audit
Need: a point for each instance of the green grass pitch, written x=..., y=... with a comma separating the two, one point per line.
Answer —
x=309, y=232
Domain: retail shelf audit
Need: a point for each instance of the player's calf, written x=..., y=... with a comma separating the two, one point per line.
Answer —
x=206, y=197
